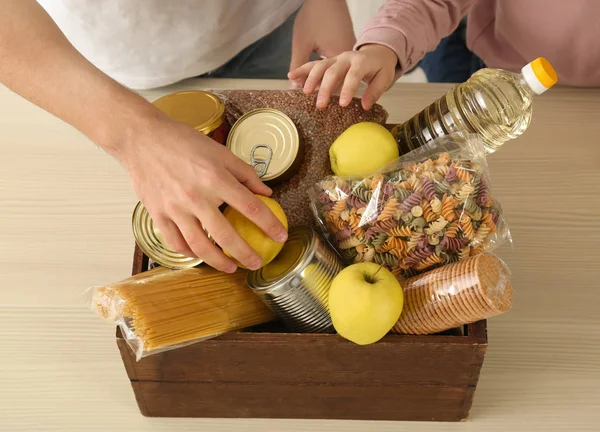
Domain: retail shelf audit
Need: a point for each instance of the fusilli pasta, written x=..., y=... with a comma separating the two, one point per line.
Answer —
x=448, y=204
x=467, y=227
x=351, y=242
x=410, y=219
x=428, y=213
x=400, y=231
x=388, y=210
x=338, y=208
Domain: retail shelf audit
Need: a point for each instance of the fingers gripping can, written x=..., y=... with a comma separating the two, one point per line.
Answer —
x=152, y=243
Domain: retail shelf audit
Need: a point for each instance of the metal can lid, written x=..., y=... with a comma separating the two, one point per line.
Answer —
x=296, y=254
x=200, y=110
x=267, y=139
x=150, y=241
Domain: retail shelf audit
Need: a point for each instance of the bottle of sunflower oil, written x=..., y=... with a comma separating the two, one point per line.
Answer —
x=494, y=103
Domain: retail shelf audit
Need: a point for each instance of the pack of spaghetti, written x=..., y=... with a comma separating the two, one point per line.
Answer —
x=164, y=309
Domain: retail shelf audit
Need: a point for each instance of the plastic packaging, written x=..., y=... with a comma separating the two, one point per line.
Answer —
x=164, y=309
x=457, y=294
x=429, y=208
x=317, y=130
x=493, y=103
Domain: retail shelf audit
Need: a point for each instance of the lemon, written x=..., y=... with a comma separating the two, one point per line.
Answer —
x=283, y=262
x=362, y=149
x=266, y=248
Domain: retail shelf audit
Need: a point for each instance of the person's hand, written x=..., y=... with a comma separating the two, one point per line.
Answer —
x=182, y=177
x=323, y=27
x=373, y=64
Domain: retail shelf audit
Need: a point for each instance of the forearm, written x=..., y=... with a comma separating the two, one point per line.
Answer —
x=413, y=27
x=335, y=10
x=39, y=63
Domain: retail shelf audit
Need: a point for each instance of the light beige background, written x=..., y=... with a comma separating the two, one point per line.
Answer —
x=362, y=10
x=65, y=212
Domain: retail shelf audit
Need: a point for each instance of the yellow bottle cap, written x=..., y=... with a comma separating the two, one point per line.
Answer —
x=544, y=72
x=539, y=75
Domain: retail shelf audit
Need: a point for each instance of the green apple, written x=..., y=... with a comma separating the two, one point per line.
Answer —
x=365, y=302
x=362, y=149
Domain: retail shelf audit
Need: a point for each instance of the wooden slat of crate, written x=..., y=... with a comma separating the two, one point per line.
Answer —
x=283, y=375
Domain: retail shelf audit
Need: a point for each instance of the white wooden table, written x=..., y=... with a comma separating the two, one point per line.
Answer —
x=65, y=211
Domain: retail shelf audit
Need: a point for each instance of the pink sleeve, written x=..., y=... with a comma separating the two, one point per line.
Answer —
x=413, y=27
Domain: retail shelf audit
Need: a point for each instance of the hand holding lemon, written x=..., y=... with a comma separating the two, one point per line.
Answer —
x=253, y=235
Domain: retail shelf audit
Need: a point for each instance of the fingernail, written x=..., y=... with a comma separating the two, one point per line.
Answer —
x=296, y=85
x=255, y=265
x=281, y=238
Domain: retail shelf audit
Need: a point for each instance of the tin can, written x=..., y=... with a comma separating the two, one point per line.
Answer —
x=200, y=110
x=150, y=241
x=295, y=285
x=268, y=140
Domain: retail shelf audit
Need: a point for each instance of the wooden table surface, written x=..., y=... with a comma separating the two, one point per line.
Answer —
x=65, y=210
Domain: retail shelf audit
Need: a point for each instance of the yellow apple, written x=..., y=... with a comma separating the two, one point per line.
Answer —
x=365, y=302
x=362, y=149
x=253, y=235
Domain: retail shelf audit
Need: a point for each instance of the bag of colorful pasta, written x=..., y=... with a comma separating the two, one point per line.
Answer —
x=430, y=207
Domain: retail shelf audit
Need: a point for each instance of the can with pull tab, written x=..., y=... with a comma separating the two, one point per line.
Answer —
x=261, y=165
x=268, y=140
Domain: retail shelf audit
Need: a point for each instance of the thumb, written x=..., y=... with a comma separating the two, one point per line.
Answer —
x=375, y=89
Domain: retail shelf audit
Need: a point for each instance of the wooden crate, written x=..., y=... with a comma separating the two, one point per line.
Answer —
x=273, y=374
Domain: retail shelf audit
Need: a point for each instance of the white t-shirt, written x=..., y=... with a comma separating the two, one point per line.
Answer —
x=151, y=43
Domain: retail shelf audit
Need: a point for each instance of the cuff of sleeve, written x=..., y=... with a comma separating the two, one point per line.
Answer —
x=391, y=38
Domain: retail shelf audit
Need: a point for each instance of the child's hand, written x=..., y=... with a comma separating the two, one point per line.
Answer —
x=374, y=64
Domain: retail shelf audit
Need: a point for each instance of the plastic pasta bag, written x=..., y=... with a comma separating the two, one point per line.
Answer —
x=431, y=207
x=164, y=309
x=460, y=293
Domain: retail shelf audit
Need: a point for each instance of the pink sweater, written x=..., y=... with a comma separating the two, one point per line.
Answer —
x=505, y=34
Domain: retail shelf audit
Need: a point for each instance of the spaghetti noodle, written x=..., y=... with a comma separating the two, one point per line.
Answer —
x=164, y=309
